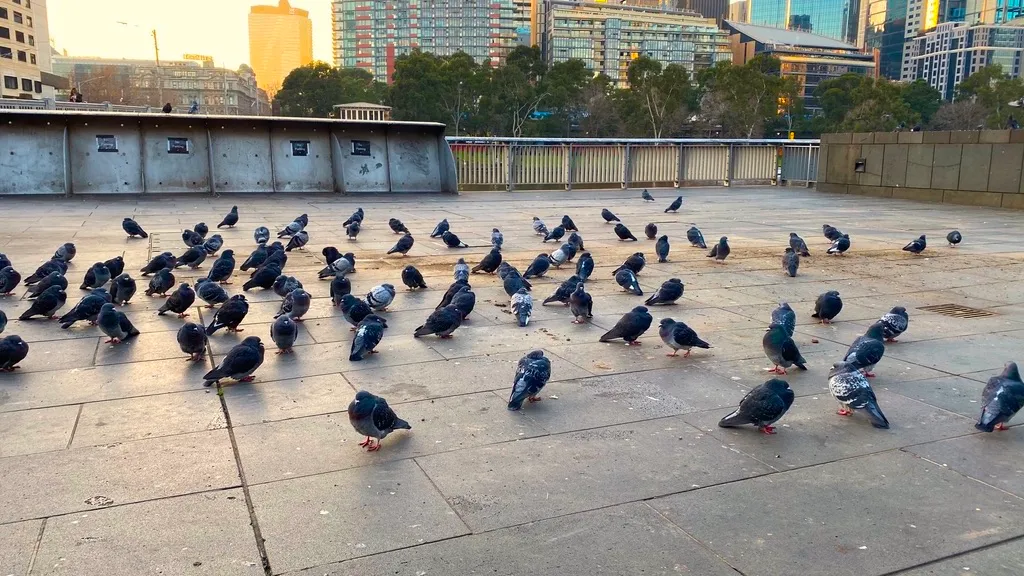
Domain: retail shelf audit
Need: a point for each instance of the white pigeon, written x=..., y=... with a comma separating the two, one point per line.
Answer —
x=380, y=297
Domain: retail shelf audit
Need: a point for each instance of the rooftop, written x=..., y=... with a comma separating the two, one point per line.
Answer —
x=767, y=35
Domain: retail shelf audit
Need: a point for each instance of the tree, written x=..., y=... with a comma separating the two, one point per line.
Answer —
x=514, y=92
x=993, y=90
x=959, y=115
x=600, y=117
x=461, y=86
x=879, y=107
x=415, y=88
x=312, y=90
x=564, y=84
x=835, y=97
x=658, y=98
x=921, y=99
x=745, y=99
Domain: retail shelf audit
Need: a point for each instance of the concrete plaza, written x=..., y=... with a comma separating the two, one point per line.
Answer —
x=115, y=460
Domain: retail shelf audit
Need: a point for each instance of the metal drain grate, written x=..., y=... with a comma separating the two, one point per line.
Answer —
x=957, y=311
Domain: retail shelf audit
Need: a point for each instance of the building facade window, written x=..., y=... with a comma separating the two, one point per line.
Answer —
x=6, y=52
x=19, y=36
x=3, y=13
x=31, y=40
x=10, y=82
x=18, y=19
x=5, y=32
x=32, y=58
x=22, y=57
x=26, y=84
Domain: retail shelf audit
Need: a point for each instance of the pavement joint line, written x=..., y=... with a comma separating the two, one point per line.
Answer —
x=443, y=497
x=952, y=556
x=74, y=428
x=37, y=545
x=695, y=540
x=958, y=472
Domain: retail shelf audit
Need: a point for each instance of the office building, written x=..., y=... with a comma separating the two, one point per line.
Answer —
x=884, y=34
x=280, y=40
x=179, y=82
x=526, y=21
x=836, y=19
x=738, y=11
x=945, y=56
x=607, y=37
x=809, y=58
x=992, y=11
x=370, y=35
x=25, y=50
x=717, y=9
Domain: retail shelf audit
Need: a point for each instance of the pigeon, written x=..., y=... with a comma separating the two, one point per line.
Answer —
x=380, y=297
x=720, y=251
x=356, y=216
x=450, y=293
x=651, y=230
x=538, y=267
x=916, y=246
x=670, y=291
x=635, y=262
x=556, y=233
x=340, y=267
x=839, y=245
x=675, y=205
x=180, y=301
x=497, y=239
x=661, y=248
x=522, y=306
x=623, y=233
x=96, y=276
x=283, y=285
x=513, y=282
x=354, y=309
x=785, y=317
x=201, y=228
x=66, y=253
x=161, y=282
x=647, y=196
x=368, y=334
x=569, y=249
x=568, y=224
x=115, y=324
x=762, y=406
x=830, y=232
x=559, y=256
x=304, y=220
x=132, y=229
x=867, y=350
x=9, y=279
x=695, y=238
x=585, y=266
x=295, y=305
x=564, y=291
x=223, y=267
x=827, y=306
x=3, y=321
x=210, y=292
x=894, y=322
x=412, y=278
x=191, y=238
x=192, y=340
x=397, y=227
x=12, y=350
x=627, y=280
x=43, y=271
x=852, y=390
x=46, y=304
x=293, y=228
x=678, y=336
x=115, y=265
x=122, y=289
x=608, y=216
x=372, y=417
x=441, y=322
x=52, y=279
x=503, y=269
x=532, y=373
x=489, y=263
x=954, y=238
x=798, y=245
x=403, y=245
x=351, y=261
x=630, y=327
x=213, y=244
x=461, y=270
x=452, y=241
x=229, y=315
x=539, y=227
x=352, y=230
x=258, y=256
x=284, y=331
x=86, y=309
x=5, y=262
x=576, y=240
x=277, y=258
x=1002, y=397
x=581, y=304
x=298, y=240
x=263, y=278
x=464, y=301
x=340, y=286
x=780, y=348
x=193, y=258
x=240, y=362
x=230, y=219
x=790, y=262
x=261, y=235
x=440, y=229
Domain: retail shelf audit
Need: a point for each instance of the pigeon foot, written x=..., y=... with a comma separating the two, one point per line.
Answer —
x=248, y=378
x=1001, y=426
x=768, y=429
x=844, y=412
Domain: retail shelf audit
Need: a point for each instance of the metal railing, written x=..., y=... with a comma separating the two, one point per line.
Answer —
x=50, y=104
x=534, y=163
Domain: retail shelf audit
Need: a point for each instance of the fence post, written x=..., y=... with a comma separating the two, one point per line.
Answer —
x=807, y=180
x=681, y=169
x=627, y=169
x=511, y=156
x=567, y=164
x=730, y=157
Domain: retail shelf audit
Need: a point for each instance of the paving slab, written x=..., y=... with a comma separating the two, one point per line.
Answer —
x=999, y=560
x=17, y=544
x=34, y=431
x=988, y=458
x=153, y=416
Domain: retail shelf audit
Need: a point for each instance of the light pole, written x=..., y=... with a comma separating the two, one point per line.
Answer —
x=156, y=54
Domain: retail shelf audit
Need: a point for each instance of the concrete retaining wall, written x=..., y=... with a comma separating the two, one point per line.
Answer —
x=60, y=152
x=981, y=168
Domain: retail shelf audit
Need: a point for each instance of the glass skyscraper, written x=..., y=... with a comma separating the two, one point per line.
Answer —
x=837, y=19
x=885, y=27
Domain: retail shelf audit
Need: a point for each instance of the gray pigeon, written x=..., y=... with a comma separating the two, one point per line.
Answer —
x=489, y=263
x=161, y=282
x=66, y=253
x=441, y=322
x=372, y=417
x=54, y=278
x=229, y=315
x=539, y=227
x=497, y=239
x=581, y=304
x=464, y=301
x=630, y=327
x=556, y=233
x=339, y=267
x=9, y=279
x=368, y=334
x=452, y=241
x=651, y=230
x=852, y=390
x=403, y=245
x=790, y=262
x=867, y=350
x=564, y=291
x=284, y=285
x=122, y=289
x=295, y=305
x=192, y=340
x=576, y=240
x=916, y=246
x=513, y=282
x=223, y=267
x=785, y=317
x=179, y=302
x=558, y=257
x=412, y=278
x=12, y=350
x=627, y=279
x=762, y=406
x=608, y=216
x=352, y=230
x=46, y=304
x=95, y=277
x=798, y=245
x=240, y=363
x=670, y=291
x=585, y=266
x=695, y=238
x=86, y=309
x=522, y=306
x=894, y=322
x=440, y=229
x=623, y=233
x=340, y=286
x=675, y=205
x=678, y=336
x=115, y=324
x=647, y=196
x=780, y=348
x=132, y=228
x=661, y=248
x=1002, y=397
x=291, y=229
x=191, y=238
x=397, y=227
x=298, y=240
x=954, y=238
x=284, y=331
x=193, y=258
x=720, y=251
x=380, y=297
x=356, y=216
x=261, y=235
x=839, y=245
x=532, y=373
x=213, y=244
x=827, y=306
x=569, y=249
x=230, y=219
x=538, y=267
x=461, y=270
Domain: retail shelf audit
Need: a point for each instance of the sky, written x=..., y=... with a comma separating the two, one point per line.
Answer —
x=217, y=28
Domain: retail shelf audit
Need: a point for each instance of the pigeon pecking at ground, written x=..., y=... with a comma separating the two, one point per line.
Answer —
x=954, y=238
x=827, y=306
x=522, y=306
x=916, y=246
x=1002, y=397
x=12, y=350
x=894, y=322
x=790, y=262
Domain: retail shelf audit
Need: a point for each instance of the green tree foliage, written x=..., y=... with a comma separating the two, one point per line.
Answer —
x=658, y=100
x=746, y=100
x=313, y=89
x=994, y=91
x=922, y=99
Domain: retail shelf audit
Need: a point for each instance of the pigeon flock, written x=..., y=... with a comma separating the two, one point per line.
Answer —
x=370, y=415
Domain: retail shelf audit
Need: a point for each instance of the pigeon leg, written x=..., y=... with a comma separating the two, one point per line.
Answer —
x=183, y=315
x=768, y=429
x=373, y=447
x=444, y=336
x=534, y=398
x=1001, y=426
x=674, y=352
x=113, y=341
x=248, y=378
x=869, y=374
x=773, y=369
x=687, y=355
x=235, y=329
x=225, y=282
x=365, y=442
x=633, y=343
x=209, y=306
x=297, y=319
x=891, y=340
x=54, y=317
x=844, y=411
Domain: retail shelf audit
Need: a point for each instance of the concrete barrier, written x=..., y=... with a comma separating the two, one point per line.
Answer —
x=70, y=152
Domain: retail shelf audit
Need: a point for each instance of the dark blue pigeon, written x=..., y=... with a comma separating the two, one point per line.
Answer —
x=630, y=327
x=670, y=291
x=223, y=267
x=785, y=317
x=412, y=278
x=368, y=334
x=192, y=340
x=867, y=350
x=695, y=238
x=585, y=266
x=230, y=219
x=790, y=262
x=229, y=315
x=661, y=248
x=827, y=306
x=132, y=228
x=284, y=331
x=210, y=292
x=762, y=406
x=1002, y=397
x=96, y=276
x=115, y=324
x=627, y=280
x=46, y=304
x=894, y=322
x=179, y=302
x=581, y=305
x=12, y=350
x=441, y=322
x=372, y=417
x=240, y=363
x=532, y=373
